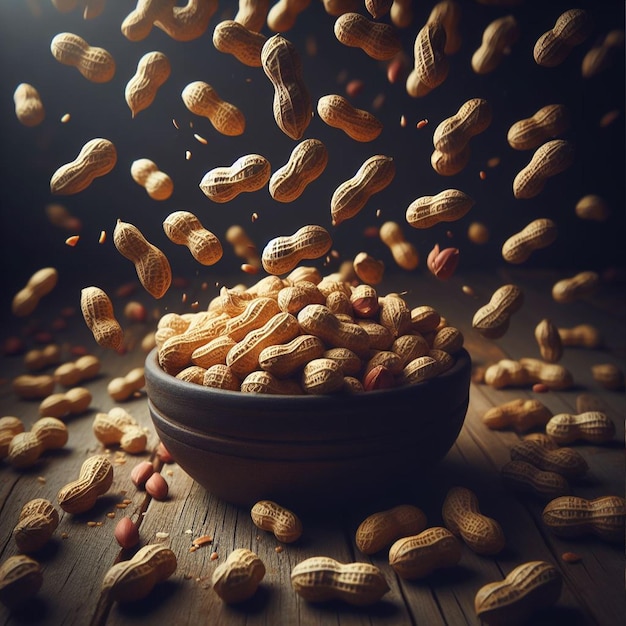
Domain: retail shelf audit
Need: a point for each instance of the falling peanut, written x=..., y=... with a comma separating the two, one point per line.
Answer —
x=247, y=174
x=185, y=229
x=378, y=40
x=96, y=158
x=157, y=184
x=153, y=70
x=29, y=108
x=282, y=254
x=97, y=310
x=95, y=64
x=570, y=29
x=358, y=124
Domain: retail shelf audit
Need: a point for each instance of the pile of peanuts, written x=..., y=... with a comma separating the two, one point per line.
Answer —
x=298, y=332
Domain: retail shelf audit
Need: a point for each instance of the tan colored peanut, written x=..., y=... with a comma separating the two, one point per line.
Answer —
x=242, y=245
x=212, y=352
x=152, y=267
x=529, y=587
x=364, y=301
x=72, y=402
x=525, y=477
x=138, y=23
x=322, y=376
x=252, y=14
x=38, y=359
x=379, y=41
x=306, y=163
x=96, y=158
x=321, y=579
x=368, y=269
x=256, y=313
x=498, y=38
x=395, y=315
x=571, y=517
x=519, y=414
x=374, y=175
x=401, y=12
x=592, y=207
x=152, y=72
x=84, y=368
x=37, y=521
x=220, y=376
x=505, y=373
x=564, y=461
x=20, y=580
x=550, y=159
x=238, y=578
x=450, y=164
x=283, y=14
x=129, y=581
x=424, y=319
x=462, y=516
x=175, y=353
x=283, y=523
x=378, y=8
x=40, y=284
x=579, y=286
x=282, y=254
x=590, y=426
x=185, y=229
x=601, y=56
x=120, y=428
x=431, y=66
x=29, y=108
x=570, y=29
x=318, y=320
x=547, y=123
x=454, y=132
x=243, y=357
x=202, y=99
x=446, y=206
x=97, y=310
x=95, y=64
x=492, y=320
x=292, y=105
x=121, y=388
x=47, y=433
x=187, y=22
x=9, y=427
x=347, y=360
x=358, y=124
x=146, y=173
x=247, y=174
x=549, y=341
x=28, y=387
x=448, y=12
x=608, y=375
x=404, y=253
x=417, y=556
x=244, y=44
x=419, y=369
x=409, y=347
x=264, y=382
x=539, y=233
x=95, y=479
x=553, y=375
x=284, y=360
x=192, y=374
x=381, y=529
x=294, y=298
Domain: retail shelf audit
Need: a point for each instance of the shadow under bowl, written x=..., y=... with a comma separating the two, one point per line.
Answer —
x=298, y=450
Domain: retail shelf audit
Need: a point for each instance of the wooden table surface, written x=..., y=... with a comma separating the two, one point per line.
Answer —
x=75, y=561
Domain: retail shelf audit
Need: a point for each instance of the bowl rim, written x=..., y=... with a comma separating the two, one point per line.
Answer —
x=156, y=376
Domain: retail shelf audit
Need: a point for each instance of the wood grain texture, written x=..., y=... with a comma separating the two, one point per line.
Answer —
x=74, y=566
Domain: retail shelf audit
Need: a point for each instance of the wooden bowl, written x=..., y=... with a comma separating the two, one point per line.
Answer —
x=299, y=450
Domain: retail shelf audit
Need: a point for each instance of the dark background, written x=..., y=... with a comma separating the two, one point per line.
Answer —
x=29, y=156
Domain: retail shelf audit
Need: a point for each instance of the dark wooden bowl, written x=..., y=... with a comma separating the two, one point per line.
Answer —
x=300, y=450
